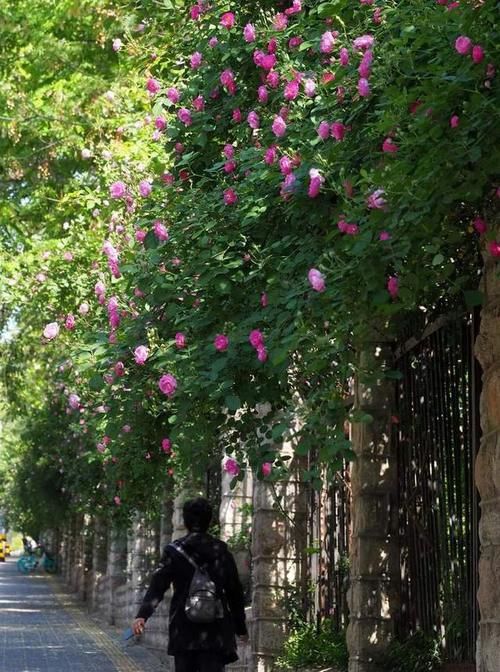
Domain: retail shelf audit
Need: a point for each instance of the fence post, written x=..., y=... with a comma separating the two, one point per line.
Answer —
x=487, y=472
x=373, y=554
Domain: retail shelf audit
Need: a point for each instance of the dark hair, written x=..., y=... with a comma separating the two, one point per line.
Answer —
x=197, y=514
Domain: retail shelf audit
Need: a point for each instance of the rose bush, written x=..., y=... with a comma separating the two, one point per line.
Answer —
x=284, y=179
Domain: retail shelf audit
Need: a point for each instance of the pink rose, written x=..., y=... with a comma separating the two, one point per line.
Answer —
x=140, y=235
x=338, y=130
x=316, y=280
x=153, y=86
x=173, y=95
x=389, y=146
x=119, y=369
x=309, y=87
x=249, y=33
x=364, y=42
x=315, y=182
x=279, y=126
x=480, y=225
x=180, y=340
x=168, y=384
x=51, y=331
x=221, y=342
x=363, y=87
x=145, y=188
x=141, y=354
x=199, y=103
x=253, y=120
x=166, y=445
x=262, y=94
x=117, y=44
x=291, y=90
x=477, y=53
x=494, y=248
x=228, y=151
x=74, y=401
x=266, y=469
x=273, y=79
x=344, y=57
x=70, y=322
x=270, y=155
x=237, y=116
x=376, y=200
x=231, y=466
x=184, y=116
x=327, y=42
x=227, y=20
x=261, y=353
x=196, y=60
x=264, y=301
x=463, y=45
x=230, y=197
x=84, y=308
x=454, y=121
x=160, y=230
x=393, y=286
x=384, y=235
x=256, y=338
x=118, y=189
x=280, y=21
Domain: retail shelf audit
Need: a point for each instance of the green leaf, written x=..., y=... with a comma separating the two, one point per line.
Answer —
x=393, y=375
x=232, y=402
x=473, y=298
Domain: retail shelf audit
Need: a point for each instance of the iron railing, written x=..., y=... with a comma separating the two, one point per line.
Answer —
x=437, y=439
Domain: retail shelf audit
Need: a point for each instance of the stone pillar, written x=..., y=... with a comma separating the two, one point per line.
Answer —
x=488, y=471
x=278, y=534
x=99, y=561
x=374, y=562
x=116, y=571
x=235, y=520
x=142, y=557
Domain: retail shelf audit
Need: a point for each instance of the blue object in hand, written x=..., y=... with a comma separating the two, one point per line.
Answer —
x=128, y=634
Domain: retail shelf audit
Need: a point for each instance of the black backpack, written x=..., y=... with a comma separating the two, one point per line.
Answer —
x=202, y=604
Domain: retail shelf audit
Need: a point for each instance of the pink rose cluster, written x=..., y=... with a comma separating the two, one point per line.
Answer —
x=336, y=130
x=464, y=46
x=256, y=339
x=364, y=44
x=100, y=292
x=113, y=258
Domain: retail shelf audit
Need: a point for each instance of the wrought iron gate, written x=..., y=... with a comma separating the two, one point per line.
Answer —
x=437, y=441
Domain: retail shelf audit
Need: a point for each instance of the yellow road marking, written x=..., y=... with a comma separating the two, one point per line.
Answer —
x=122, y=662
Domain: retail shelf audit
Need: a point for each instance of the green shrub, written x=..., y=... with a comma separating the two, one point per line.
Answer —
x=418, y=653
x=309, y=647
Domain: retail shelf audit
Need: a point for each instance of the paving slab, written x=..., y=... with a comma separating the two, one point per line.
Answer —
x=43, y=628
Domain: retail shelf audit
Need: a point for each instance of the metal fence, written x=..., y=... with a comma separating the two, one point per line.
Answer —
x=437, y=440
x=329, y=531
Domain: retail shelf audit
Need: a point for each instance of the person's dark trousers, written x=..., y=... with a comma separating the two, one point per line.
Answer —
x=199, y=661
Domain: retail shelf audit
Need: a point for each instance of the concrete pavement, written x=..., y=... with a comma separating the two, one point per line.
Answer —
x=45, y=629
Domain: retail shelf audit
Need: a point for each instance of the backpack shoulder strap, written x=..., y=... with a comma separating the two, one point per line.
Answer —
x=185, y=555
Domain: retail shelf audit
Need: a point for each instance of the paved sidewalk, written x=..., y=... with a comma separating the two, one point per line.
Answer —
x=44, y=629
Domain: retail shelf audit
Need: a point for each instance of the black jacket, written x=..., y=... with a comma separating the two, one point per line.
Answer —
x=174, y=568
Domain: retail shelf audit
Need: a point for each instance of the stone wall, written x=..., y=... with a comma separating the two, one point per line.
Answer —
x=374, y=552
x=488, y=472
